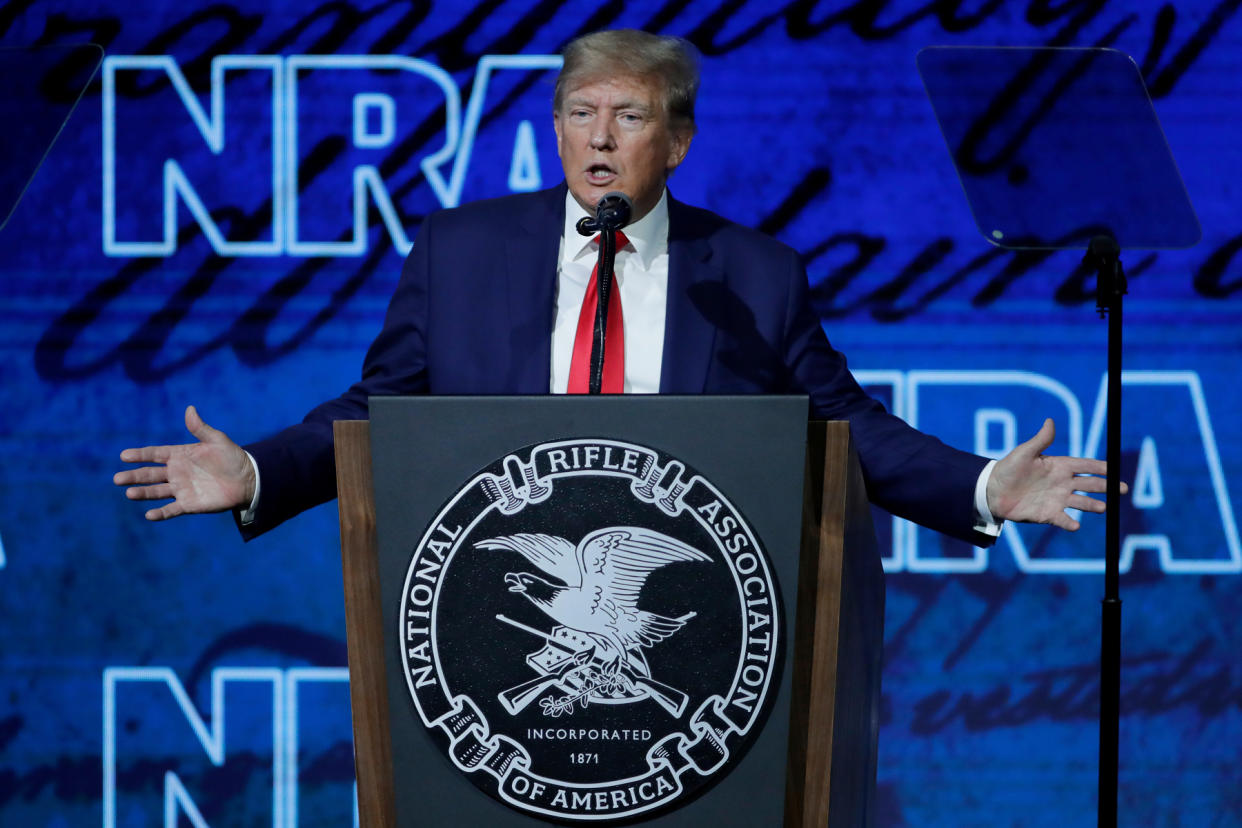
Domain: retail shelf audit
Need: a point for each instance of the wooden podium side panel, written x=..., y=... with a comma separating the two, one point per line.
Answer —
x=839, y=642
x=367, y=690
x=860, y=654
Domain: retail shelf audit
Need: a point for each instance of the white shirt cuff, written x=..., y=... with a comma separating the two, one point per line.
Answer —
x=984, y=521
x=246, y=516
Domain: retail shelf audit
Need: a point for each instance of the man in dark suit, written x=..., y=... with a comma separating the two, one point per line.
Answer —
x=494, y=296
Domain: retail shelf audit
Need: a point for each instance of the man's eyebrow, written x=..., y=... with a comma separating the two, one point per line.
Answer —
x=625, y=104
x=641, y=107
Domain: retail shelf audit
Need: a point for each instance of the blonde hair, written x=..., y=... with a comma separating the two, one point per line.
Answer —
x=671, y=61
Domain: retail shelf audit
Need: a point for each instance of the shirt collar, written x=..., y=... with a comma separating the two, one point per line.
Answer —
x=648, y=236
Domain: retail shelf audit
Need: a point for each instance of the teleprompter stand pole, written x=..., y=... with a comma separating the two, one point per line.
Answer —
x=1104, y=254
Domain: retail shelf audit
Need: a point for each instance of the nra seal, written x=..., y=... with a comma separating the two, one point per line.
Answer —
x=591, y=631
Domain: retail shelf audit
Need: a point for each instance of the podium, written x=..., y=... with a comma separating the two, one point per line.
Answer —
x=621, y=610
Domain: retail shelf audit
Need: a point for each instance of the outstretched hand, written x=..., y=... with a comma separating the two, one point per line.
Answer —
x=1026, y=486
x=212, y=475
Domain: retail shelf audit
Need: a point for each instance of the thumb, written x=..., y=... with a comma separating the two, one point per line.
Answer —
x=1042, y=439
x=195, y=425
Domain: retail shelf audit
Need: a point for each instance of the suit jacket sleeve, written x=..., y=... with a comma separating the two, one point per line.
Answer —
x=909, y=473
x=297, y=466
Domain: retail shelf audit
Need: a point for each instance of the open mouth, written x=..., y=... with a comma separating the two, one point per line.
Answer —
x=600, y=174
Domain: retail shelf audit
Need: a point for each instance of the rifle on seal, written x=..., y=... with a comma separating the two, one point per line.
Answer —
x=517, y=698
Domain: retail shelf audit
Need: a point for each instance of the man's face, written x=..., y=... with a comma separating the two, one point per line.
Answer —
x=614, y=135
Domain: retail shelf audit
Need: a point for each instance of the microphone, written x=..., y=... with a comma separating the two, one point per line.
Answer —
x=611, y=213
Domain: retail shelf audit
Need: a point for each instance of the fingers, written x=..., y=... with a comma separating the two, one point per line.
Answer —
x=144, y=475
x=147, y=454
x=168, y=510
x=1089, y=475
x=157, y=492
x=1085, y=504
x=196, y=426
x=1042, y=439
x=160, y=454
x=1094, y=485
x=1064, y=521
x=1095, y=482
x=1083, y=465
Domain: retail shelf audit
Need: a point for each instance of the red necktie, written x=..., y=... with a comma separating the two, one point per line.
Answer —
x=613, y=380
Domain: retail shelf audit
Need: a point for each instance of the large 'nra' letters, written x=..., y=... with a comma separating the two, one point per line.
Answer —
x=1167, y=420
x=303, y=113
x=154, y=773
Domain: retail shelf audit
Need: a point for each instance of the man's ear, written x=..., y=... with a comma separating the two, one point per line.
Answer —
x=678, y=147
x=556, y=127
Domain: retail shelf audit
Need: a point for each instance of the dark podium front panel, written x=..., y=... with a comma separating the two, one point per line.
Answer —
x=588, y=606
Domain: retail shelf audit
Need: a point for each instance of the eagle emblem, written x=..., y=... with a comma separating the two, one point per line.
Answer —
x=591, y=591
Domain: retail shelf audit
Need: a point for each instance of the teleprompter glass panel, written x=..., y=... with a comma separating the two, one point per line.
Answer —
x=1056, y=145
x=39, y=89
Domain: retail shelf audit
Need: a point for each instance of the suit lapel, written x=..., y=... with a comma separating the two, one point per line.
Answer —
x=688, y=336
x=530, y=266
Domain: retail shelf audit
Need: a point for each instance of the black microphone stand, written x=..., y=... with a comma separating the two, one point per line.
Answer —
x=1104, y=254
x=612, y=213
x=607, y=259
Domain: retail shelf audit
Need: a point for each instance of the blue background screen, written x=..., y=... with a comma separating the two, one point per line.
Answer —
x=223, y=219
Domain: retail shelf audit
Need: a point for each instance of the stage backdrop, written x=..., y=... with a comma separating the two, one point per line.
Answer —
x=222, y=221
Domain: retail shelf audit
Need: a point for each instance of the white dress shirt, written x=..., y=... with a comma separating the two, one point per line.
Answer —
x=640, y=276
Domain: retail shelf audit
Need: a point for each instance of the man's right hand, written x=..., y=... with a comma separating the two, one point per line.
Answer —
x=212, y=475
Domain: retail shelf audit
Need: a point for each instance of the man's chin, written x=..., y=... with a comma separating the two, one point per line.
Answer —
x=589, y=197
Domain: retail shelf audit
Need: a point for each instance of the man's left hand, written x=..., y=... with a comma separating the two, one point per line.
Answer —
x=1028, y=487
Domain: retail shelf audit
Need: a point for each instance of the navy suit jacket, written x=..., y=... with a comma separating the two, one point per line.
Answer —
x=472, y=314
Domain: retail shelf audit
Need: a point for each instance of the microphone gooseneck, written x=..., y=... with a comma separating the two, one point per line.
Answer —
x=611, y=213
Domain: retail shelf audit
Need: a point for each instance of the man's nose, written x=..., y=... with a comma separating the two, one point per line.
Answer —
x=601, y=136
